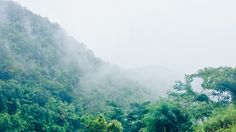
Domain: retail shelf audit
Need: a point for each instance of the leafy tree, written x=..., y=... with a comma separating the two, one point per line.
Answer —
x=134, y=119
x=222, y=80
x=198, y=105
x=98, y=125
x=115, y=112
x=166, y=117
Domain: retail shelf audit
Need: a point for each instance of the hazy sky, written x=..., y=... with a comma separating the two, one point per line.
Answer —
x=183, y=35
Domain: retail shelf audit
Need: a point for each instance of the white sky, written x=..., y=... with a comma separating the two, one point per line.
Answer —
x=183, y=35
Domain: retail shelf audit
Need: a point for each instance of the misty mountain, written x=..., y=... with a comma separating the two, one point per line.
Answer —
x=50, y=82
x=34, y=51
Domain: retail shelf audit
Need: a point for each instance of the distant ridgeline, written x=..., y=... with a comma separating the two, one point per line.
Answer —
x=49, y=81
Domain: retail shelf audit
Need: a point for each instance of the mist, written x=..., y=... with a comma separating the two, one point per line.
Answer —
x=183, y=36
x=155, y=42
x=117, y=66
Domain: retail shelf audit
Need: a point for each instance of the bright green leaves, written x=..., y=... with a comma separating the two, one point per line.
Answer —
x=99, y=124
x=223, y=119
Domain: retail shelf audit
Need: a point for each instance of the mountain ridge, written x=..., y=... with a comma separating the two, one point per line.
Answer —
x=40, y=49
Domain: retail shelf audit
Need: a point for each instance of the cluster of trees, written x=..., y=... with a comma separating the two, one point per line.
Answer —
x=45, y=87
x=212, y=109
x=43, y=79
x=26, y=106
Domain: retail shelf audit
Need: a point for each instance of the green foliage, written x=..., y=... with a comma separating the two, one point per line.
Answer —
x=35, y=107
x=12, y=122
x=115, y=112
x=197, y=105
x=223, y=119
x=134, y=119
x=98, y=125
x=166, y=117
x=42, y=71
x=222, y=79
x=43, y=88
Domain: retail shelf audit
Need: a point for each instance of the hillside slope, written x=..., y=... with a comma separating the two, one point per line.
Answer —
x=48, y=79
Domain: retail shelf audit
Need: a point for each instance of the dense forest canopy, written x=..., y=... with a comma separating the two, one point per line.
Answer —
x=51, y=82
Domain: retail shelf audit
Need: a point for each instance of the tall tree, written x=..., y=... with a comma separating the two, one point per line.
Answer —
x=221, y=80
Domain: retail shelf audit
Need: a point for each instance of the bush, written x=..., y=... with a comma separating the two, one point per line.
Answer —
x=221, y=119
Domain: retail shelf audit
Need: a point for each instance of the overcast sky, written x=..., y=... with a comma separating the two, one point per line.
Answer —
x=183, y=35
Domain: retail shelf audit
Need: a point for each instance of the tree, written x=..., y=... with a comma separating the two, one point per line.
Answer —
x=115, y=112
x=134, y=119
x=98, y=125
x=198, y=105
x=166, y=117
x=221, y=80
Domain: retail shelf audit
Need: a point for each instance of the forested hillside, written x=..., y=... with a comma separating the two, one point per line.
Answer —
x=51, y=82
x=41, y=67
